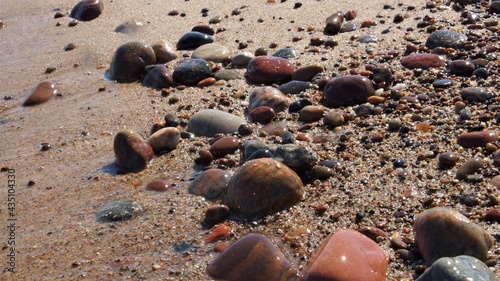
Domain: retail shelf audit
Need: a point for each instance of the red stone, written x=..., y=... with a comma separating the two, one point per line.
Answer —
x=43, y=92
x=262, y=114
x=223, y=146
x=477, y=139
x=219, y=233
x=269, y=70
x=423, y=61
x=157, y=185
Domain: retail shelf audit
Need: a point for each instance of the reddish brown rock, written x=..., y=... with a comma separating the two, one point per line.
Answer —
x=275, y=129
x=423, y=61
x=269, y=70
x=129, y=61
x=223, y=146
x=373, y=232
x=87, y=10
x=252, y=257
x=348, y=90
x=210, y=184
x=311, y=113
x=262, y=114
x=158, y=78
x=158, y=185
x=132, y=152
x=347, y=255
x=268, y=96
x=492, y=215
x=216, y=214
x=495, y=181
x=219, y=233
x=43, y=92
x=477, y=139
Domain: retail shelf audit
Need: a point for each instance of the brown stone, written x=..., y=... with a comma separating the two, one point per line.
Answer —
x=311, y=113
x=223, y=146
x=158, y=185
x=129, y=61
x=132, y=152
x=87, y=10
x=269, y=70
x=262, y=114
x=306, y=73
x=268, y=96
x=348, y=90
x=43, y=92
x=477, y=139
x=158, y=78
x=423, y=61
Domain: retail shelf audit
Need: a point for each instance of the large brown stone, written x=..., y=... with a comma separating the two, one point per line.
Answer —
x=477, y=139
x=129, y=61
x=132, y=152
x=43, y=92
x=348, y=90
x=269, y=70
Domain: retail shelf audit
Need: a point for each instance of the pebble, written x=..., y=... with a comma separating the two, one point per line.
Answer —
x=458, y=268
x=211, y=121
x=442, y=83
x=296, y=87
x=492, y=215
x=333, y=118
x=252, y=257
x=347, y=255
x=192, y=71
x=261, y=153
x=268, y=96
x=475, y=94
x=334, y=23
x=374, y=233
x=132, y=152
x=275, y=129
x=242, y=59
x=446, y=39
x=212, y=52
x=495, y=181
x=158, y=77
x=299, y=158
x=120, y=210
x=130, y=27
x=297, y=105
x=307, y=73
x=394, y=124
x=205, y=29
x=216, y=214
x=469, y=168
x=250, y=147
x=164, y=51
x=219, y=233
x=311, y=113
x=211, y=184
x=462, y=67
x=165, y=139
x=383, y=74
x=158, y=185
x=494, y=7
x=367, y=39
x=349, y=26
x=224, y=146
x=477, y=139
x=263, y=186
x=422, y=61
x=269, y=70
x=262, y=114
x=322, y=172
x=348, y=90
x=227, y=75
x=442, y=232
x=87, y=10
x=286, y=53
x=42, y=92
x=129, y=61
x=193, y=40
x=448, y=160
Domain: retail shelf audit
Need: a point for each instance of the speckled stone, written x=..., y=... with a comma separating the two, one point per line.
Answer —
x=442, y=232
x=462, y=67
x=268, y=96
x=212, y=52
x=252, y=257
x=269, y=70
x=192, y=71
x=164, y=51
x=348, y=90
x=193, y=40
x=165, y=139
x=475, y=94
x=210, y=184
x=423, y=61
x=306, y=73
x=299, y=158
x=129, y=61
x=446, y=39
x=158, y=77
x=87, y=10
x=121, y=210
x=132, y=152
x=460, y=268
x=286, y=53
x=477, y=139
x=345, y=256
x=211, y=121
x=263, y=186
x=42, y=92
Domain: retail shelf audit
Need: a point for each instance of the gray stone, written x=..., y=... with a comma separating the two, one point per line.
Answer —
x=211, y=121
x=121, y=210
x=460, y=268
x=212, y=52
x=298, y=158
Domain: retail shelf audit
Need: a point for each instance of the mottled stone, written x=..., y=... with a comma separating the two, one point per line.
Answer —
x=311, y=113
x=210, y=122
x=470, y=167
x=475, y=94
x=158, y=77
x=252, y=257
x=445, y=38
x=158, y=185
x=269, y=70
x=347, y=255
x=193, y=40
x=368, y=39
x=262, y=114
x=423, y=61
x=263, y=186
x=286, y=53
x=297, y=157
x=164, y=51
x=192, y=71
x=477, y=139
x=441, y=232
x=268, y=96
x=165, y=139
x=210, y=184
x=87, y=10
x=383, y=74
x=212, y=52
x=306, y=73
x=348, y=90
x=132, y=152
x=42, y=92
x=460, y=268
x=224, y=146
x=121, y=210
x=296, y=87
x=129, y=61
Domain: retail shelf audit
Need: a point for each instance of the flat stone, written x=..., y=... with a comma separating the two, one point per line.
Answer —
x=470, y=167
x=193, y=40
x=442, y=232
x=87, y=10
x=192, y=71
x=212, y=52
x=268, y=96
x=477, y=94
x=211, y=184
x=164, y=51
x=227, y=75
x=306, y=73
x=311, y=113
x=422, y=61
x=297, y=157
x=477, y=139
x=165, y=139
x=269, y=70
x=42, y=92
x=460, y=268
x=211, y=121
x=348, y=90
x=347, y=255
x=132, y=152
x=129, y=61
x=158, y=77
x=296, y=87
x=224, y=146
x=121, y=210
x=446, y=39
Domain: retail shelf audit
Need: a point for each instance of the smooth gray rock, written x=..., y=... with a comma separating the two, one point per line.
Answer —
x=211, y=121
x=120, y=210
x=298, y=158
x=460, y=268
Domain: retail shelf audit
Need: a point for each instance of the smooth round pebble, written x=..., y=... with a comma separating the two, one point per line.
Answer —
x=422, y=61
x=475, y=94
x=470, y=167
x=193, y=40
x=242, y=59
x=212, y=52
x=311, y=113
x=334, y=118
x=286, y=53
x=87, y=10
x=216, y=214
x=192, y=71
x=227, y=75
x=269, y=70
x=445, y=38
x=348, y=90
x=164, y=51
x=459, y=268
x=132, y=152
x=462, y=67
x=307, y=73
x=129, y=61
x=268, y=96
x=262, y=114
x=158, y=185
x=211, y=121
x=296, y=87
x=448, y=160
x=224, y=146
x=165, y=139
x=477, y=139
x=158, y=77
x=42, y=92
x=210, y=184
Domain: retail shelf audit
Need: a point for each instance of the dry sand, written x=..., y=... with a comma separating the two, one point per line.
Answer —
x=56, y=234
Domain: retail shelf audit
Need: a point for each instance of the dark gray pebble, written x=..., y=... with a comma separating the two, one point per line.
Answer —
x=192, y=71
x=193, y=40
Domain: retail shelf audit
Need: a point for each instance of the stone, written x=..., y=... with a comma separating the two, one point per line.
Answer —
x=460, y=268
x=252, y=257
x=495, y=181
x=307, y=73
x=275, y=129
x=268, y=96
x=442, y=83
x=165, y=139
x=158, y=185
x=477, y=94
x=211, y=121
x=442, y=232
x=159, y=77
x=192, y=71
x=311, y=113
x=334, y=23
x=87, y=10
x=218, y=233
x=121, y=210
x=193, y=40
x=129, y=61
x=446, y=39
x=224, y=146
x=348, y=90
x=42, y=92
x=470, y=167
x=205, y=29
x=130, y=27
x=164, y=51
x=132, y=152
x=216, y=214
x=269, y=70
x=262, y=114
x=367, y=39
x=250, y=147
x=462, y=67
x=296, y=87
x=477, y=139
x=297, y=105
x=211, y=184
x=212, y=52
x=263, y=186
x=261, y=153
x=448, y=160
x=347, y=255
x=383, y=74
x=333, y=118
x=299, y=158
x=242, y=59
x=423, y=61
x=227, y=75
x=286, y=53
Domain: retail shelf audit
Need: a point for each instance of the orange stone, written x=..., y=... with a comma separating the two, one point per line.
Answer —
x=219, y=233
